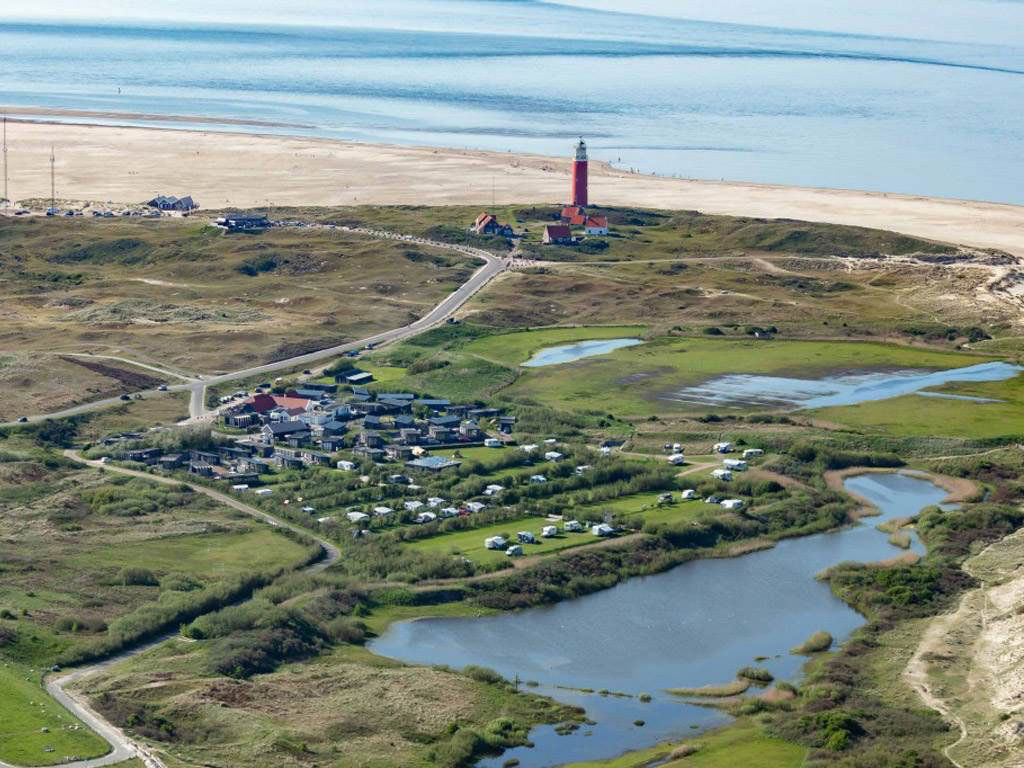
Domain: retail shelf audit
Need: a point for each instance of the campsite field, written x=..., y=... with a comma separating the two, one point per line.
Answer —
x=35, y=729
x=471, y=543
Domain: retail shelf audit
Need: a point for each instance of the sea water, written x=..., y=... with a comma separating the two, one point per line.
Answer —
x=905, y=97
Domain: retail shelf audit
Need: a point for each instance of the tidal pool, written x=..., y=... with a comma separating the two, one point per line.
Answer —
x=566, y=353
x=848, y=389
x=694, y=625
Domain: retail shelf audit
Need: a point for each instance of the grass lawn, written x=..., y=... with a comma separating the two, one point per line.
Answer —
x=25, y=710
x=168, y=408
x=645, y=503
x=478, y=453
x=517, y=348
x=636, y=381
x=471, y=543
x=926, y=416
x=740, y=744
x=209, y=556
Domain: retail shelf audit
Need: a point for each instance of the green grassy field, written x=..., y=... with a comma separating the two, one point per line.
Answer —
x=517, y=348
x=645, y=505
x=638, y=381
x=741, y=744
x=924, y=416
x=471, y=543
x=35, y=729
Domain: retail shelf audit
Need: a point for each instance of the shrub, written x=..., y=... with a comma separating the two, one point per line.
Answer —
x=137, y=577
x=757, y=674
x=482, y=674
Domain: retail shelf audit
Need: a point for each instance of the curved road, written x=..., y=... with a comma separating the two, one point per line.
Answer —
x=493, y=266
x=122, y=747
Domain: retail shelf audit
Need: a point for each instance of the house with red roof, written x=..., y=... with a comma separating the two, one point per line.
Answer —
x=557, y=234
x=488, y=224
x=596, y=225
x=263, y=403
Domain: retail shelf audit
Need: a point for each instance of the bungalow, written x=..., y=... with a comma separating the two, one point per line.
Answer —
x=487, y=224
x=283, y=430
x=370, y=440
x=200, y=468
x=409, y=436
x=333, y=428
x=395, y=406
x=557, y=234
x=307, y=394
x=172, y=203
x=433, y=463
x=359, y=377
x=397, y=396
x=143, y=455
x=373, y=422
x=596, y=225
x=506, y=424
x=436, y=405
x=172, y=461
x=469, y=430
x=241, y=420
x=397, y=452
x=327, y=388
x=440, y=434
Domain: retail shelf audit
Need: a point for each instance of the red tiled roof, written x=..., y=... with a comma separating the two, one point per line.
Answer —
x=262, y=403
x=598, y=221
x=577, y=221
x=557, y=231
x=482, y=218
x=571, y=211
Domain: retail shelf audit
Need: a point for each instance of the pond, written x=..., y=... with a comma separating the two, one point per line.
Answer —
x=846, y=389
x=694, y=625
x=566, y=353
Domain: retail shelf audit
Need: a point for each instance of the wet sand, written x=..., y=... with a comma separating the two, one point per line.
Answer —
x=131, y=164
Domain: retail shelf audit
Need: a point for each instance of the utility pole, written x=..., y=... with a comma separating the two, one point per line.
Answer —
x=7, y=199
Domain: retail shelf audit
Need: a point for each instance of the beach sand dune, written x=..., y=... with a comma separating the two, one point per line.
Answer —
x=130, y=164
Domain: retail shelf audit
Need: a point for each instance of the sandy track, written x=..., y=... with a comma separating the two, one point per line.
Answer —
x=133, y=164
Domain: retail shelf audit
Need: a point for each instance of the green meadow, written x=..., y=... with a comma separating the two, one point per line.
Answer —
x=918, y=415
x=35, y=729
x=639, y=380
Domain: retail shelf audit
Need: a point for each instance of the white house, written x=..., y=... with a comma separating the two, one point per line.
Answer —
x=495, y=542
x=732, y=504
x=722, y=474
x=596, y=225
x=723, y=448
x=677, y=459
x=548, y=531
x=357, y=517
x=602, y=529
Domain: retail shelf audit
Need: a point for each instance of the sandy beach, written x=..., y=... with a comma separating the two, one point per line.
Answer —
x=131, y=164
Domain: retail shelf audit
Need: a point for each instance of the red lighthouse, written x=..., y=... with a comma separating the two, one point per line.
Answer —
x=579, y=176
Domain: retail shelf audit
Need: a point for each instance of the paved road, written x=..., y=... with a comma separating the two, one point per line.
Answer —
x=493, y=266
x=122, y=747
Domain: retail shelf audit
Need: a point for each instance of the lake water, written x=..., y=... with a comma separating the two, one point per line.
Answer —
x=569, y=352
x=896, y=97
x=848, y=389
x=694, y=625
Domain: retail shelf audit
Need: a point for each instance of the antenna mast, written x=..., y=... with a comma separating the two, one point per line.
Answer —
x=7, y=199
